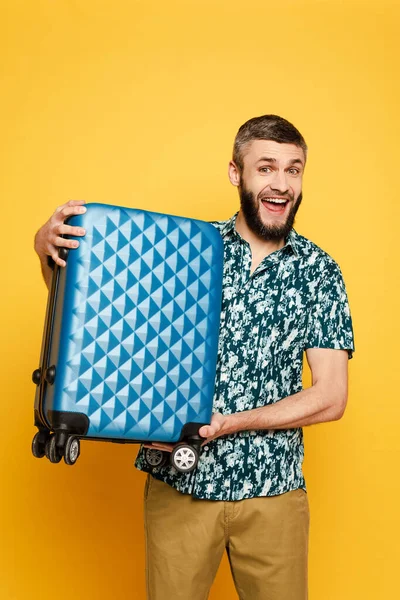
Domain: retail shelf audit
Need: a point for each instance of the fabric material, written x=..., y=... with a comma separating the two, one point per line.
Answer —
x=266, y=540
x=294, y=300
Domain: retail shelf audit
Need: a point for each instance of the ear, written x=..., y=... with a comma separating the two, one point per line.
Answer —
x=234, y=173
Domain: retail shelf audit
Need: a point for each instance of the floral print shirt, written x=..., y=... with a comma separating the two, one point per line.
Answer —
x=295, y=299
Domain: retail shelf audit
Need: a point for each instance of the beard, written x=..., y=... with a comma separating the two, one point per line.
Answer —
x=251, y=213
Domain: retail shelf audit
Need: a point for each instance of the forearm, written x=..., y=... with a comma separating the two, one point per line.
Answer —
x=322, y=416
x=307, y=407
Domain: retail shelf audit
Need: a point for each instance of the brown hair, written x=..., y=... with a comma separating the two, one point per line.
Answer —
x=266, y=127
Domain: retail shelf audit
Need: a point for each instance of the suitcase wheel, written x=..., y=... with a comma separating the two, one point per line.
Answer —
x=47, y=448
x=155, y=458
x=51, y=450
x=39, y=444
x=184, y=458
x=72, y=450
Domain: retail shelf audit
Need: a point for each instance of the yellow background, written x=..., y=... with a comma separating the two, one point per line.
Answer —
x=137, y=103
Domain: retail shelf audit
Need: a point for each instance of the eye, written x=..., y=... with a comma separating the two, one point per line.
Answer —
x=294, y=171
x=265, y=169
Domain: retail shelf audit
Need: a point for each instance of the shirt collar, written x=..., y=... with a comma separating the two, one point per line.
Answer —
x=291, y=240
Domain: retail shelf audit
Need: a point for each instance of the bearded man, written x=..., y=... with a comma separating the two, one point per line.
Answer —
x=282, y=296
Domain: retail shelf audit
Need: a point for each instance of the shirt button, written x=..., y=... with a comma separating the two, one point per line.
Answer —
x=205, y=447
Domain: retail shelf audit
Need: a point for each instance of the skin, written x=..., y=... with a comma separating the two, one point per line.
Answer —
x=47, y=239
x=326, y=399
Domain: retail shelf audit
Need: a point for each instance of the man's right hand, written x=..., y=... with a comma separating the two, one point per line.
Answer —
x=48, y=240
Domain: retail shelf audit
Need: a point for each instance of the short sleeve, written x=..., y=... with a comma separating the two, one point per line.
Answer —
x=329, y=322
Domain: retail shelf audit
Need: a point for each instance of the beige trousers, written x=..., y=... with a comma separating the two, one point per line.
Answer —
x=266, y=540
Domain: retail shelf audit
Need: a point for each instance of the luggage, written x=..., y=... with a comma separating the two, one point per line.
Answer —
x=130, y=338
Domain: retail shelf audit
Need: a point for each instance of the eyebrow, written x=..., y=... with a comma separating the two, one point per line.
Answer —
x=273, y=160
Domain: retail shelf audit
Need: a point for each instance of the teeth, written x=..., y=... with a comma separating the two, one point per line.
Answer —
x=275, y=200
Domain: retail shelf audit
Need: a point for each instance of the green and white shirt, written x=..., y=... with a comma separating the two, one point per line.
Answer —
x=295, y=299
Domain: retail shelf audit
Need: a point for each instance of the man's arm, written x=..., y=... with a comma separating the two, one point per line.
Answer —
x=324, y=401
x=329, y=343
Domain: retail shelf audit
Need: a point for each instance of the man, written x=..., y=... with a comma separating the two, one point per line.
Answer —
x=282, y=295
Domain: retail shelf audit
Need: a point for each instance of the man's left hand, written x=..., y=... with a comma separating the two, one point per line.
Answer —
x=219, y=426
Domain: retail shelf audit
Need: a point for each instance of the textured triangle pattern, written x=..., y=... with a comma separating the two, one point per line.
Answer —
x=136, y=345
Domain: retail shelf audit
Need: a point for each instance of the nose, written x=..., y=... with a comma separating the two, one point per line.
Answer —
x=279, y=182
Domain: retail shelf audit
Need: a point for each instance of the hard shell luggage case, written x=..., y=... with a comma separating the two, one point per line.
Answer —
x=130, y=338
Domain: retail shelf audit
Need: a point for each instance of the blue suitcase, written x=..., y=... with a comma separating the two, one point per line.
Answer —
x=130, y=338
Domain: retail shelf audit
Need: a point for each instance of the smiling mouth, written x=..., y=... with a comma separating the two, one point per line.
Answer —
x=275, y=205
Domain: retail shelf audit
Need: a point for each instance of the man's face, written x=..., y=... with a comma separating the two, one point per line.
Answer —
x=270, y=187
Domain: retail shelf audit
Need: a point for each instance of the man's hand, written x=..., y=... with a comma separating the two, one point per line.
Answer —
x=48, y=240
x=218, y=426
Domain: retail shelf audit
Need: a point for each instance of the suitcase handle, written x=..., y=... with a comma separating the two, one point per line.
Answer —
x=46, y=372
